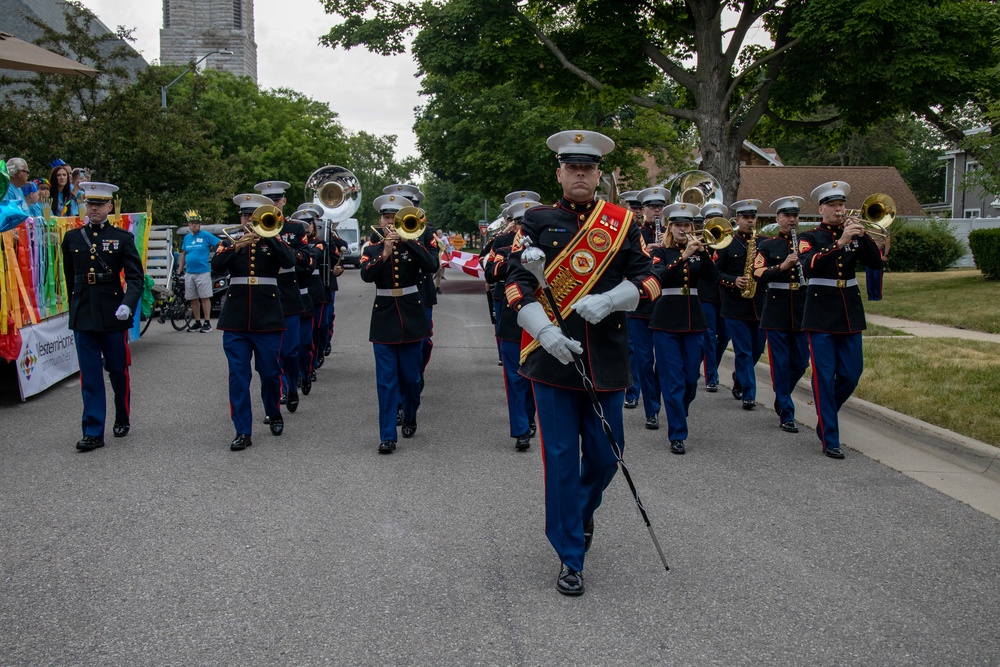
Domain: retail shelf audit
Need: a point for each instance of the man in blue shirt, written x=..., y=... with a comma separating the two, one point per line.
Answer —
x=196, y=251
x=17, y=168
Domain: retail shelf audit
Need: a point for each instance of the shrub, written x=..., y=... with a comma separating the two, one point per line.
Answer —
x=985, y=245
x=923, y=246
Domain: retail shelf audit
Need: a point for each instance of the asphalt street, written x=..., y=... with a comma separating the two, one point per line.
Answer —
x=166, y=548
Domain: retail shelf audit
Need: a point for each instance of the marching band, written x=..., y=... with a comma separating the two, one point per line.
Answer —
x=595, y=306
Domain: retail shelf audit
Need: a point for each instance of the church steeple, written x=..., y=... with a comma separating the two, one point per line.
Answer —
x=192, y=28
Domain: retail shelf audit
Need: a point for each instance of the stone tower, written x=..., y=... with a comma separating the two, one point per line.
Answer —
x=192, y=28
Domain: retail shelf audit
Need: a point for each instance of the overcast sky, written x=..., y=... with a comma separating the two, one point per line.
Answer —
x=373, y=93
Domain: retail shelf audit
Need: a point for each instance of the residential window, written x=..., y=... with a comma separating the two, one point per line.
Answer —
x=973, y=213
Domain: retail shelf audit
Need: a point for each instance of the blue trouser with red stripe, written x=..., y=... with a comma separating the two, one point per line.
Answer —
x=645, y=369
x=264, y=347
x=680, y=357
x=91, y=346
x=873, y=283
x=837, y=363
x=290, y=354
x=748, y=345
x=716, y=338
x=632, y=393
x=788, y=355
x=306, y=345
x=329, y=313
x=568, y=427
x=497, y=308
x=520, y=399
x=397, y=377
x=428, y=343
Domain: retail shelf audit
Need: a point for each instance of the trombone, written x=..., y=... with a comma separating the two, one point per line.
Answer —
x=266, y=222
x=877, y=212
x=409, y=223
x=716, y=234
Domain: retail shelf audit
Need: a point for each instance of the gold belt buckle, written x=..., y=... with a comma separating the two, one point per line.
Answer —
x=91, y=278
x=841, y=284
x=793, y=286
x=686, y=291
x=397, y=291
x=251, y=280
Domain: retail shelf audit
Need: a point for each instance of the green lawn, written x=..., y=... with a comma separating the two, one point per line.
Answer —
x=957, y=298
x=949, y=382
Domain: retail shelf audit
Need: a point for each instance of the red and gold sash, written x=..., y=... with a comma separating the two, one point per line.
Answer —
x=574, y=271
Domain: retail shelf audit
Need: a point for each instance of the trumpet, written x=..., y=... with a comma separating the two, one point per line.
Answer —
x=877, y=212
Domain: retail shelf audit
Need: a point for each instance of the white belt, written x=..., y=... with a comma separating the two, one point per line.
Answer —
x=286, y=270
x=315, y=272
x=678, y=291
x=829, y=282
x=303, y=290
x=396, y=291
x=790, y=286
x=253, y=280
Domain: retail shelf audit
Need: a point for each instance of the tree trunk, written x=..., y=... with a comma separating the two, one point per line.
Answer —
x=720, y=154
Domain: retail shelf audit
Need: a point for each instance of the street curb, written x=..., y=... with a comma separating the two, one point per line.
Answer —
x=961, y=450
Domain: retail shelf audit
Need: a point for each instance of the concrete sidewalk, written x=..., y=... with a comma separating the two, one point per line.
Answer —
x=958, y=466
x=926, y=330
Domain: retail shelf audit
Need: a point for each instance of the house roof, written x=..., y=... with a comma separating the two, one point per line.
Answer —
x=770, y=183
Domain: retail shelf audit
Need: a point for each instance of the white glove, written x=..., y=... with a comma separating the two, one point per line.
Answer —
x=595, y=307
x=123, y=312
x=532, y=318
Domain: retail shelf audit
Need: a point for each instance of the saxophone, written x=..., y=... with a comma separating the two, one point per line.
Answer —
x=751, y=288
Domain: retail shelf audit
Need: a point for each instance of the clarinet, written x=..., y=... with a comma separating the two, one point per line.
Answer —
x=795, y=249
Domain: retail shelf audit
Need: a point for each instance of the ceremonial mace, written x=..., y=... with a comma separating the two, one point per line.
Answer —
x=533, y=259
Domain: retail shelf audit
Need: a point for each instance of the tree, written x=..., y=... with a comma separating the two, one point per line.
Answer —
x=868, y=59
x=371, y=158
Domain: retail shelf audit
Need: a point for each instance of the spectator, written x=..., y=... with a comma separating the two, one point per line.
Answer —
x=196, y=251
x=79, y=175
x=17, y=168
x=30, y=191
x=63, y=201
x=443, y=242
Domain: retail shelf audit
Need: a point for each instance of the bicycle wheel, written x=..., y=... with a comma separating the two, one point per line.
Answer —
x=145, y=323
x=180, y=316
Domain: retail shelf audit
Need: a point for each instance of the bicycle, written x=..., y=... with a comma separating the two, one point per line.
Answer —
x=169, y=304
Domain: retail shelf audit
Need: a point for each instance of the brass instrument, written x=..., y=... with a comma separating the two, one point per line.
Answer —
x=337, y=189
x=750, y=290
x=266, y=222
x=877, y=212
x=409, y=223
x=716, y=234
x=694, y=187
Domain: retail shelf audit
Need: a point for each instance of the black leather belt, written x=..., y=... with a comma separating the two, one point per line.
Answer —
x=94, y=278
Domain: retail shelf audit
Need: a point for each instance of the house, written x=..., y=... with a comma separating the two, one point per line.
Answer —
x=961, y=202
x=767, y=184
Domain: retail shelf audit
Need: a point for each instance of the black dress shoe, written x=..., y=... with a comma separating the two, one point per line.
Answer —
x=399, y=417
x=677, y=446
x=386, y=446
x=267, y=419
x=631, y=403
x=834, y=452
x=532, y=429
x=570, y=582
x=789, y=427
x=409, y=428
x=120, y=429
x=293, y=401
x=319, y=361
x=652, y=423
x=241, y=441
x=749, y=404
x=712, y=387
x=499, y=362
x=522, y=442
x=277, y=425
x=328, y=350
x=738, y=393
x=89, y=442
x=312, y=376
x=588, y=535
x=307, y=386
